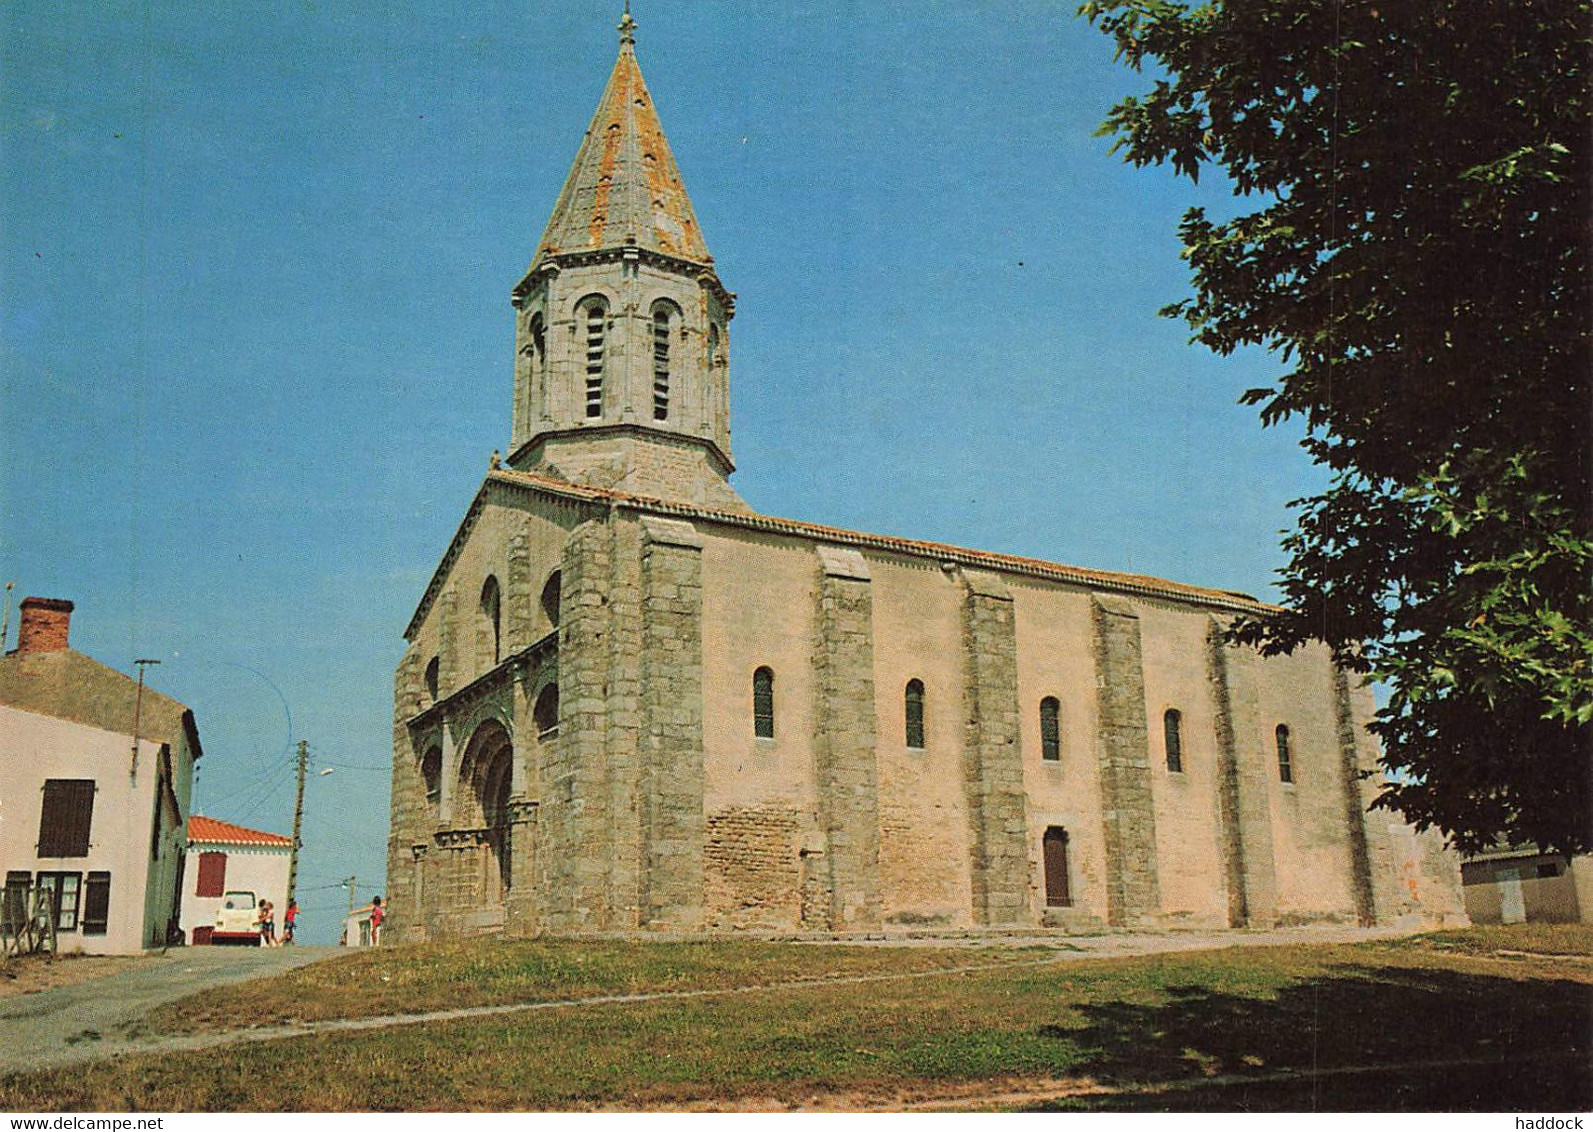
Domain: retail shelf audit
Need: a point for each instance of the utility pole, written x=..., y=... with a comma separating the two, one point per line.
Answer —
x=5, y=624
x=350, y=882
x=138, y=711
x=298, y=823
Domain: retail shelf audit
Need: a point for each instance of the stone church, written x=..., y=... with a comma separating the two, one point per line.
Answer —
x=631, y=701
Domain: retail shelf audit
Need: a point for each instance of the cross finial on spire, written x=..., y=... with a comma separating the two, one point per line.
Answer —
x=627, y=26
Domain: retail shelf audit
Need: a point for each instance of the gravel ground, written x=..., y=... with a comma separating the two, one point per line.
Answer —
x=102, y=1017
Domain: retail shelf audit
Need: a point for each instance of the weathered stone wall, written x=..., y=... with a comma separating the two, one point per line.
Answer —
x=992, y=756
x=753, y=867
x=1128, y=813
x=844, y=747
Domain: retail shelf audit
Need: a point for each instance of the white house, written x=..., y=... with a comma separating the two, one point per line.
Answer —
x=223, y=858
x=88, y=814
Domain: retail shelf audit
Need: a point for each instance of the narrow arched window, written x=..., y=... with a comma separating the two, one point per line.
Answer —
x=915, y=713
x=537, y=333
x=550, y=599
x=1050, y=730
x=1285, y=760
x=713, y=347
x=661, y=362
x=596, y=321
x=431, y=774
x=763, y=703
x=1174, y=739
x=433, y=673
x=545, y=712
x=491, y=621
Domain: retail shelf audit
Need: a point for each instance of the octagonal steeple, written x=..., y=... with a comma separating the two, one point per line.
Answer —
x=622, y=332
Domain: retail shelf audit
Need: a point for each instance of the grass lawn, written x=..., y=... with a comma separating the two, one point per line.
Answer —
x=1242, y=1028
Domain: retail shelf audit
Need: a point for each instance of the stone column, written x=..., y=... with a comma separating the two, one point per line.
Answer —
x=1133, y=894
x=572, y=769
x=1374, y=888
x=671, y=888
x=448, y=669
x=625, y=909
x=992, y=755
x=843, y=742
x=1243, y=807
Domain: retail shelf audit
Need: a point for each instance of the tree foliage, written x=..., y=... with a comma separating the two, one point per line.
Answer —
x=1418, y=261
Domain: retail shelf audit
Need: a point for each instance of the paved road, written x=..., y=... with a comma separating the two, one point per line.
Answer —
x=99, y=1018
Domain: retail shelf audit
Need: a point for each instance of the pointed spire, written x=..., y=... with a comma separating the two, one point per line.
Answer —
x=624, y=187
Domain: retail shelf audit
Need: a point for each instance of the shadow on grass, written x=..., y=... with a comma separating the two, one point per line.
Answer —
x=1527, y=1041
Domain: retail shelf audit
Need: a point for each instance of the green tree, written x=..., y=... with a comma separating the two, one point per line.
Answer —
x=1418, y=261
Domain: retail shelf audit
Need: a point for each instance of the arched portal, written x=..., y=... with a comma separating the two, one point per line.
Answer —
x=487, y=774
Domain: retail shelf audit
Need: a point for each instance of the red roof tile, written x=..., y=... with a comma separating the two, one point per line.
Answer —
x=211, y=831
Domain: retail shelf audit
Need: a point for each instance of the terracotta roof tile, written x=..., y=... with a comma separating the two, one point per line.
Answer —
x=211, y=831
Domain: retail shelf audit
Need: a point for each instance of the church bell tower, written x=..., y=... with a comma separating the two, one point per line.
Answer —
x=622, y=342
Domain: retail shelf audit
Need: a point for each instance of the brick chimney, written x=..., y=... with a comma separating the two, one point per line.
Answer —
x=46, y=622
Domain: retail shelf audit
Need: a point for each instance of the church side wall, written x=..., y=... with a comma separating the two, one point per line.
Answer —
x=1311, y=834
x=760, y=796
x=1053, y=634
x=1189, y=856
x=924, y=847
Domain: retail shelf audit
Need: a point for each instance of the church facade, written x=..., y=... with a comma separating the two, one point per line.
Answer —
x=630, y=701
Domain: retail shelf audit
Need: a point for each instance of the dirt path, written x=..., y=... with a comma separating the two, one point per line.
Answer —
x=102, y=1017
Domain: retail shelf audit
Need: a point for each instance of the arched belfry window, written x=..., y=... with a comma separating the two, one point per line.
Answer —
x=1285, y=756
x=594, y=319
x=914, y=703
x=1050, y=730
x=491, y=621
x=662, y=323
x=537, y=349
x=1174, y=739
x=763, y=703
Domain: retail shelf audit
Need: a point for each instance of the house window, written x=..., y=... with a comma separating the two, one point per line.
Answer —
x=1050, y=730
x=1285, y=766
x=67, y=814
x=64, y=890
x=596, y=325
x=491, y=621
x=1055, y=852
x=915, y=713
x=1549, y=871
x=661, y=362
x=212, y=874
x=96, y=903
x=1174, y=740
x=763, y=703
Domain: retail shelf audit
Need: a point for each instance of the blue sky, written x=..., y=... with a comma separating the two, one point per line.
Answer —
x=256, y=344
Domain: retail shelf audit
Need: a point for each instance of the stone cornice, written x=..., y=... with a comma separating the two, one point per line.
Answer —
x=554, y=261
x=722, y=463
